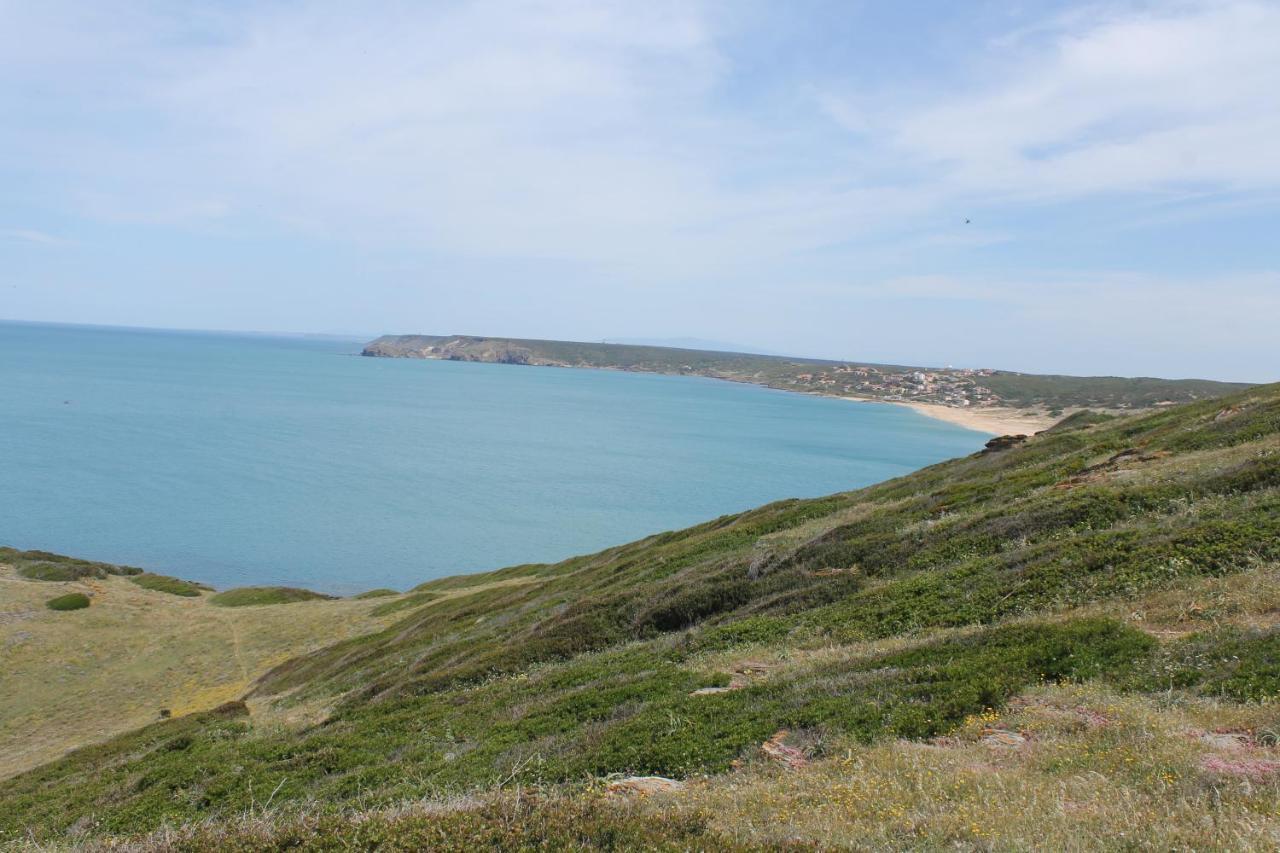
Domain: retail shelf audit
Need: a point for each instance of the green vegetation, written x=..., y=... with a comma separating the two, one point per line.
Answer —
x=1232, y=663
x=1080, y=420
x=854, y=379
x=70, y=601
x=247, y=596
x=508, y=823
x=173, y=586
x=44, y=566
x=375, y=593
x=1103, y=588
x=411, y=600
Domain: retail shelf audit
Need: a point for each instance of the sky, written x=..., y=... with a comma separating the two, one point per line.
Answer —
x=1086, y=188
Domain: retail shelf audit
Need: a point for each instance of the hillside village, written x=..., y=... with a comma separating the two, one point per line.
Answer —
x=959, y=388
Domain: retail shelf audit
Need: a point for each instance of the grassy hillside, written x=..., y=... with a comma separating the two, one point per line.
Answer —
x=944, y=386
x=145, y=643
x=1057, y=642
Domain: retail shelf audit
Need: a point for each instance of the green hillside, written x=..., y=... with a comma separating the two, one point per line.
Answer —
x=938, y=385
x=1088, y=618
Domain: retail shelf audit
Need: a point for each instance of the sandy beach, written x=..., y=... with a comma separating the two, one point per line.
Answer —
x=993, y=420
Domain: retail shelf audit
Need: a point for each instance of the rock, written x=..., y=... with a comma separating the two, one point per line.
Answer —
x=752, y=667
x=789, y=756
x=644, y=785
x=711, y=691
x=1003, y=442
x=1093, y=719
x=1003, y=738
x=1227, y=740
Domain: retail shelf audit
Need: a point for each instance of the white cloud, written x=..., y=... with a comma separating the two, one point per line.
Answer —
x=30, y=235
x=595, y=131
x=1160, y=100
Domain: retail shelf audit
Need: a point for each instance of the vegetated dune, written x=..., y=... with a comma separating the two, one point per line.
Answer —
x=1061, y=641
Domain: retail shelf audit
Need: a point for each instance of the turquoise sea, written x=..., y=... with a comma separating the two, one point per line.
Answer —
x=235, y=459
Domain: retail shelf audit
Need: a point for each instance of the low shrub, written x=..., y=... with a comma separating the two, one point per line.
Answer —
x=1229, y=663
x=70, y=601
x=246, y=596
x=164, y=583
x=375, y=593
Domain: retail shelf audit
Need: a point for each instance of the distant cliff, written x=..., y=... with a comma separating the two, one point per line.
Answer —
x=956, y=388
x=457, y=348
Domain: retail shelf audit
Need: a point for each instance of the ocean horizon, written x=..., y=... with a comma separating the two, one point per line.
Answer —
x=244, y=459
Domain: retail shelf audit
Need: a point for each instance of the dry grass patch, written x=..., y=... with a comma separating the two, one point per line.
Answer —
x=1090, y=770
x=112, y=667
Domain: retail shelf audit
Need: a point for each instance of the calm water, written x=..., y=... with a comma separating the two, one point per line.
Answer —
x=236, y=460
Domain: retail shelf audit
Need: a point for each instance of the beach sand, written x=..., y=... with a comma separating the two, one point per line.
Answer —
x=992, y=420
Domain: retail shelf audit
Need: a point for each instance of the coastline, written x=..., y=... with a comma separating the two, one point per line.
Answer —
x=995, y=420
x=992, y=420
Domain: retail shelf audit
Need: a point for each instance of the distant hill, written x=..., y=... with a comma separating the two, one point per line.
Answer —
x=940, y=386
x=1055, y=643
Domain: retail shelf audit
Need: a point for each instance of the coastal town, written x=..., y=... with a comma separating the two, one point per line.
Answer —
x=960, y=388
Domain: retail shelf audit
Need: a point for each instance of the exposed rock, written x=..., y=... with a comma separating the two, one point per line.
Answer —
x=1223, y=739
x=779, y=751
x=752, y=667
x=711, y=691
x=1093, y=719
x=1003, y=442
x=1003, y=738
x=644, y=785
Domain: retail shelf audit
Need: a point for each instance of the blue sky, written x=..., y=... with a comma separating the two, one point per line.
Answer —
x=794, y=176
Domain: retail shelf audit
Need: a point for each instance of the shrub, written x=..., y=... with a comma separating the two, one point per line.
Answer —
x=245, y=596
x=164, y=583
x=375, y=593
x=46, y=566
x=70, y=601
x=1230, y=662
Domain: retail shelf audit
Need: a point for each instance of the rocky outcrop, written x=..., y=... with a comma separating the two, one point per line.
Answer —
x=1003, y=442
x=455, y=348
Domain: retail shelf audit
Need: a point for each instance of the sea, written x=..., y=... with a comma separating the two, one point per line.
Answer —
x=239, y=460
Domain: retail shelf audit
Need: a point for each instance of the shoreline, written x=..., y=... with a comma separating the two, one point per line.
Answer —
x=996, y=420
x=993, y=420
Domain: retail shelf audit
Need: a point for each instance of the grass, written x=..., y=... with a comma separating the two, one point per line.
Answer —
x=407, y=602
x=1098, y=770
x=136, y=651
x=171, y=585
x=70, y=601
x=250, y=596
x=1103, y=594
x=382, y=592
x=535, y=821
